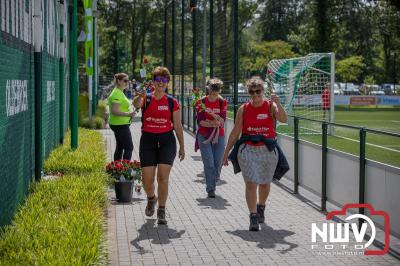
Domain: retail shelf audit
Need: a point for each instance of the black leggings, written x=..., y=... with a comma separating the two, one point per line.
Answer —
x=124, y=142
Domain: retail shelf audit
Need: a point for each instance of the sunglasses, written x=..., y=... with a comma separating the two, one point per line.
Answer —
x=125, y=80
x=215, y=87
x=252, y=92
x=161, y=79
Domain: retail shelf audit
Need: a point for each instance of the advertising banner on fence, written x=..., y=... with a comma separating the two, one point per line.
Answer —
x=388, y=100
x=339, y=100
x=362, y=100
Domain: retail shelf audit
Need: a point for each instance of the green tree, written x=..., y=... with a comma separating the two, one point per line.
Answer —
x=262, y=53
x=350, y=69
x=278, y=18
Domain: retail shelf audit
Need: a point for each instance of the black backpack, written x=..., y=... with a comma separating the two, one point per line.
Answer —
x=170, y=105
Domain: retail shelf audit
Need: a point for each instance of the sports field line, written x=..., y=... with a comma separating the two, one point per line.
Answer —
x=363, y=120
x=370, y=144
x=367, y=143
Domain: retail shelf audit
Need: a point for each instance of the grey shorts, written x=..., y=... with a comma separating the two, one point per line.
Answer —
x=257, y=163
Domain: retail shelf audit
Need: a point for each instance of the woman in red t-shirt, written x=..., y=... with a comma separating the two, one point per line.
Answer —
x=257, y=163
x=210, y=138
x=157, y=150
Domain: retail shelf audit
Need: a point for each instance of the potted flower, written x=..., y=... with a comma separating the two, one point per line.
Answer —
x=124, y=173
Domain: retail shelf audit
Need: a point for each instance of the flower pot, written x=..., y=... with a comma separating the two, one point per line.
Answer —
x=123, y=191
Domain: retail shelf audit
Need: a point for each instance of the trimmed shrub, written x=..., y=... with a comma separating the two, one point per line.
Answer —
x=62, y=220
x=90, y=155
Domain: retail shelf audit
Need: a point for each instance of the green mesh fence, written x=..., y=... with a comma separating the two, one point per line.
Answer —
x=51, y=103
x=17, y=98
x=16, y=126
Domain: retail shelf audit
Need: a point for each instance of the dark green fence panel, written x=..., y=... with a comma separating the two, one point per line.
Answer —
x=51, y=101
x=16, y=123
x=17, y=97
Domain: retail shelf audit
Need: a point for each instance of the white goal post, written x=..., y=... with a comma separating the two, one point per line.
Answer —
x=305, y=85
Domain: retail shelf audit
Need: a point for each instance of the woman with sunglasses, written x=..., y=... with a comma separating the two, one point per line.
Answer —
x=120, y=117
x=157, y=151
x=255, y=122
x=211, y=115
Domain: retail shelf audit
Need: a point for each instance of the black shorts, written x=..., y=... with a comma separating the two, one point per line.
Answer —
x=157, y=148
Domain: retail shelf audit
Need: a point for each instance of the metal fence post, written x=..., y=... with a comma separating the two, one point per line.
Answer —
x=211, y=38
x=38, y=115
x=95, y=72
x=74, y=75
x=188, y=113
x=296, y=155
x=235, y=55
x=194, y=119
x=165, y=33
x=194, y=31
x=183, y=59
x=173, y=47
x=324, y=151
x=61, y=80
x=361, y=191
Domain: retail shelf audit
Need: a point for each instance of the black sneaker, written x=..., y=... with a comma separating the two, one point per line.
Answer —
x=161, y=216
x=260, y=212
x=211, y=194
x=254, y=226
x=151, y=204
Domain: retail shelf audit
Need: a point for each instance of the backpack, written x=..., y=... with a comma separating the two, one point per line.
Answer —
x=170, y=105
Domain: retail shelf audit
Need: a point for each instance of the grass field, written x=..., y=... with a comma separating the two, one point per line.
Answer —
x=380, y=147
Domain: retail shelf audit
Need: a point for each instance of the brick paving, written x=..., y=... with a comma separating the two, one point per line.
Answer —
x=204, y=231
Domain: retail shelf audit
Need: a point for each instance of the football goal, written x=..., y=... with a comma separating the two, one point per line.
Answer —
x=305, y=86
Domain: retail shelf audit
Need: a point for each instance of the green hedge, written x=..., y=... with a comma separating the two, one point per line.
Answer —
x=62, y=220
x=99, y=118
x=90, y=155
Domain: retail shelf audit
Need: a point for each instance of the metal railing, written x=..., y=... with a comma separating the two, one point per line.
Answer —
x=324, y=147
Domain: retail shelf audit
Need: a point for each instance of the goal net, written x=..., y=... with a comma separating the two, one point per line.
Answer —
x=305, y=87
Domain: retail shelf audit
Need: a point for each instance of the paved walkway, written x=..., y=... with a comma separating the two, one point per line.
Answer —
x=205, y=231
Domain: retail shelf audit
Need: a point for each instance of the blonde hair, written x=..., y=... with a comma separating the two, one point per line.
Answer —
x=255, y=82
x=119, y=76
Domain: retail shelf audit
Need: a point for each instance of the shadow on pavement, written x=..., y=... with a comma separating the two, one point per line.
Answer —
x=267, y=237
x=203, y=181
x=157, y=234
x=114, y=201
x=201, y=174
x=218, y=203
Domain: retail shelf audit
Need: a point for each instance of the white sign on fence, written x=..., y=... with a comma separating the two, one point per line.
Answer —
x=16, y=96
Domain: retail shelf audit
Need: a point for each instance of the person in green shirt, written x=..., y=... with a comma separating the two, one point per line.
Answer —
x=120, y=117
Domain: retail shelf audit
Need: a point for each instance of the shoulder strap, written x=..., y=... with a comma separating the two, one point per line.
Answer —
x=147, y=102
x=145, y=105
x=171, y=106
